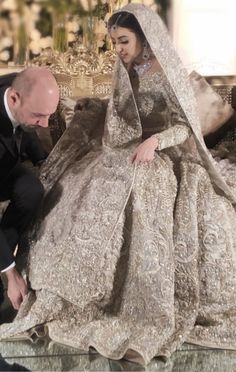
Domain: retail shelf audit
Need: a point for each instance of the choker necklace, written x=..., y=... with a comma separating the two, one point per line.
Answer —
x=142, y=68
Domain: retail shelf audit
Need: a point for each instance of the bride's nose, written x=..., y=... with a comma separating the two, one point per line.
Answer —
x=118, y=49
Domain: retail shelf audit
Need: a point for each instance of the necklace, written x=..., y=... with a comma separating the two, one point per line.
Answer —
x=142, y=68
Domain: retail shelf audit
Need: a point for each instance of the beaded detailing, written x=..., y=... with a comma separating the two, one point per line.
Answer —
x=143, y=68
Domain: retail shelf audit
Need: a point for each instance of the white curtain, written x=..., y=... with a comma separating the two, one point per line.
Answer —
x=204, y=33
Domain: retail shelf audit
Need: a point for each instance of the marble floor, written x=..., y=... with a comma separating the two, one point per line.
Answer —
x=43, y=355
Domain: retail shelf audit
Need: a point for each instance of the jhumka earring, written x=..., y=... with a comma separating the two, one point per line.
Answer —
x=146, y=53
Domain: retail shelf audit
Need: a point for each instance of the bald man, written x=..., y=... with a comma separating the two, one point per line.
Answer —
x=24, y=105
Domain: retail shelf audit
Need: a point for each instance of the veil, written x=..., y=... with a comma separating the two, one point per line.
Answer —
x=122, y=102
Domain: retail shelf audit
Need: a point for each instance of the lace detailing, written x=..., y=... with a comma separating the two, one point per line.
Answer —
x=143, y=68
x=172, y=136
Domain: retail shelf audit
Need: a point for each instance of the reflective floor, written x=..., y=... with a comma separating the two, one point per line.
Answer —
x=23, y=355
x=46, y=356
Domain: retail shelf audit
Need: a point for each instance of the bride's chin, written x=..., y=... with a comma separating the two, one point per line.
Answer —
x=125, y=60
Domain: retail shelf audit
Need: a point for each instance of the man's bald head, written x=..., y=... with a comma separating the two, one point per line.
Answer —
x=34, y=77
x=33, y=96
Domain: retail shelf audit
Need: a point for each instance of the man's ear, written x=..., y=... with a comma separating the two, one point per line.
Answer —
x=14, y=98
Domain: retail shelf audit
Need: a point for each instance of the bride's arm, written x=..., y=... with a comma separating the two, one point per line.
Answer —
x=172, y=136
x=176, y=134
x=179, y=129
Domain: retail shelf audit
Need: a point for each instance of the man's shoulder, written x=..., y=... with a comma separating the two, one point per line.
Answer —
x=2, y=109
x=5, y=82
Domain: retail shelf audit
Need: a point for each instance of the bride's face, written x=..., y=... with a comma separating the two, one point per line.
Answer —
x=127, y=44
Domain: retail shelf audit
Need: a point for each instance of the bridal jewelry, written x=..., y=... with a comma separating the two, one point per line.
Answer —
x=142, y=68
x=114, y=27
x=146, y=52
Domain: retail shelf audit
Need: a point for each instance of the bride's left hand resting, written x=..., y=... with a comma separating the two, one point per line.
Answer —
x=145, y=151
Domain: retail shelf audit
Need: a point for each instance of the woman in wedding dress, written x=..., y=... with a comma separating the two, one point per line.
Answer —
x=135, y=252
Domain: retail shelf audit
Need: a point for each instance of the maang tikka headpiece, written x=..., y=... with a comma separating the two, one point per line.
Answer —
x=114, y=27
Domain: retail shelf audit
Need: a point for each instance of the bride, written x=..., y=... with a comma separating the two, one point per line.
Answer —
x=135, y=253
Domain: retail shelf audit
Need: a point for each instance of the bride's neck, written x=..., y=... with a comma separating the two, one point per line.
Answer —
x=139, y=61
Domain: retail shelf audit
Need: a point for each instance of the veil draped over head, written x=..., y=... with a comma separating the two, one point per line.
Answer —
x=116, y=133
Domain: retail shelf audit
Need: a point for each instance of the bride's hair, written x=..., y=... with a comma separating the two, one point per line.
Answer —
x=126, y=20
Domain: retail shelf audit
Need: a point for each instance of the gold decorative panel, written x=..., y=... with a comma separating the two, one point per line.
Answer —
x=80, y=71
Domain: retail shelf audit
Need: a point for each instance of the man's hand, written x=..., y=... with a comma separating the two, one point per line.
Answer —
x=17, y=287
x=145, y=151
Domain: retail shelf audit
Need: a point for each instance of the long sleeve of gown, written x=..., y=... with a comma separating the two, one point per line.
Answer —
x=179, y=130
x=172, y=136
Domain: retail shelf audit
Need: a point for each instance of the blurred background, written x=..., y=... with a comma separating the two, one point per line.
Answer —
x=202, y=30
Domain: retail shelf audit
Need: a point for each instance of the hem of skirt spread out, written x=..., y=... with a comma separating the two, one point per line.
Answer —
x=119, y=356
x=210, y=345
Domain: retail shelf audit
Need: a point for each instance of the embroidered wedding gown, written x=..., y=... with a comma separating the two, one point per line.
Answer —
x=131, y=257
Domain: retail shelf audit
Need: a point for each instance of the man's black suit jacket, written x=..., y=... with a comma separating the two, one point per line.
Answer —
x=30, y=146
x=10, y=155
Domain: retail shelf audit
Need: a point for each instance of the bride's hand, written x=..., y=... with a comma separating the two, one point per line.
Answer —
x=145, y=151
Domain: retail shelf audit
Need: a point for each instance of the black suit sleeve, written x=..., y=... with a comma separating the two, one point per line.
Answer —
x=32, y=148
x=6, y=256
